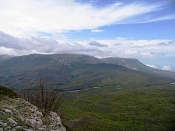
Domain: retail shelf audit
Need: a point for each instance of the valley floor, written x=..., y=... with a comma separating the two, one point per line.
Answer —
x=110, y=108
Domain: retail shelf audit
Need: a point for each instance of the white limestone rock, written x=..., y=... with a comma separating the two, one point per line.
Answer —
x=13, y=122
x=25, y=116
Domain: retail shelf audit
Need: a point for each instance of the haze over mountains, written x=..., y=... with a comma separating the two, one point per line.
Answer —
x=73, y=71
x=4, y=57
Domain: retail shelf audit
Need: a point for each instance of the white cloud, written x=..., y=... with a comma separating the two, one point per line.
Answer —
x=27, y=17
x=153, y=66
x=166, y=67
x=96, y=31
x=148, y=54
x=19, y=46
x=120, y=47
x=172, y=16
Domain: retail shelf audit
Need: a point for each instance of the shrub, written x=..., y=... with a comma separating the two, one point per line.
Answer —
x=43, y=96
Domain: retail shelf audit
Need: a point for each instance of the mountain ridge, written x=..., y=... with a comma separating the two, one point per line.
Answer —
x=67, y=58
x=72, y=70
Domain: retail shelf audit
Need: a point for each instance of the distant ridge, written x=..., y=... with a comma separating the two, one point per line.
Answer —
x=135, y=64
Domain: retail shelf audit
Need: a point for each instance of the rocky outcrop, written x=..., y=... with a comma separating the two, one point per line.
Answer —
x=19, y=115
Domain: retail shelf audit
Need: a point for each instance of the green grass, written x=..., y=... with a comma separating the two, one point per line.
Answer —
x=121, y=109
x=6, y=92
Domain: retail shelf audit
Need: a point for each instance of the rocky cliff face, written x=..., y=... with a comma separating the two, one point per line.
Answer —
x=19, y=115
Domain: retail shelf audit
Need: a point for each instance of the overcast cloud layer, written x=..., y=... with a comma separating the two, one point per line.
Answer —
x=120, y=47
x=90, y=27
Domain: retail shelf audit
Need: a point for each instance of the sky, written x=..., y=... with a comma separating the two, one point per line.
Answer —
x=141, y=29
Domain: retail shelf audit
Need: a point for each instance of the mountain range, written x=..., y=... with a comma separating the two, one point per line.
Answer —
x=76, y=71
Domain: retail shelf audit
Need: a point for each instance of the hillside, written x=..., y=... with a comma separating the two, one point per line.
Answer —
x=16, y=114
x=70, y=71
x=6, y=92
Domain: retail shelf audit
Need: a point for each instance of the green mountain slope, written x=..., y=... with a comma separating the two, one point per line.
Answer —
x=73, y=71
